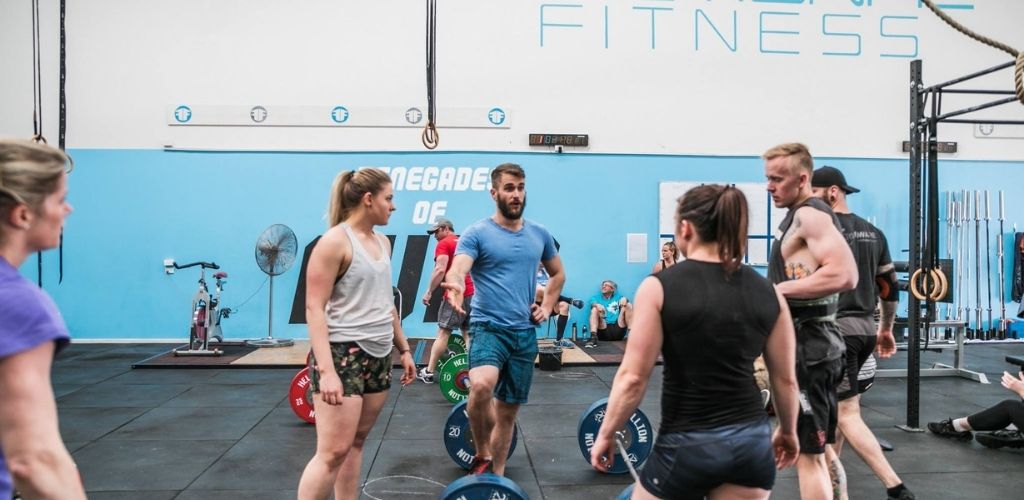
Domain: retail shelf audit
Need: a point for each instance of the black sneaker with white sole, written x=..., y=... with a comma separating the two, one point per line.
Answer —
x=945, y=429
x=999, y=439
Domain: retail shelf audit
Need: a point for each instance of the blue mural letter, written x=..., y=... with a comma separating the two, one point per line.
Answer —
x=881, y=30
x=696, y=30
x=762, y=31
x=544, y=23
x=653, y=12
x=826, y=32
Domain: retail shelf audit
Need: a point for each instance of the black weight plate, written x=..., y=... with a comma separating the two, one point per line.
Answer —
x=458, y=439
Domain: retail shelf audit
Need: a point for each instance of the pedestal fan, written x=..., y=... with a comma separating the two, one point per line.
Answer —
x=275, y=254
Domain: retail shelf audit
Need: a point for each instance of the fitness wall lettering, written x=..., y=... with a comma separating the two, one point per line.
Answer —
x=841, y=27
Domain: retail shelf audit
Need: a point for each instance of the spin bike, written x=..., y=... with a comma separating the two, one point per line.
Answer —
x=204, y=324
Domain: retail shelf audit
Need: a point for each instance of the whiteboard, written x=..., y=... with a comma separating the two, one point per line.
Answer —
x=763, y=216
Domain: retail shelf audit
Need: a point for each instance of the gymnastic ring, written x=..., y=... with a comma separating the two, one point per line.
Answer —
x=935, y=292
x=913, y=285
x=943, y=288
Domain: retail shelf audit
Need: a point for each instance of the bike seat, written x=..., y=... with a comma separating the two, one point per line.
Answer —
x=220, y=275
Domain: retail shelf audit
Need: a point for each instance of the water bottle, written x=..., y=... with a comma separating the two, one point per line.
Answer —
x=574, y=331
x=585, y=335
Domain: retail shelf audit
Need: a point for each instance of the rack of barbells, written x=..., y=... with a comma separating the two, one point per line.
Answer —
x=925, y=216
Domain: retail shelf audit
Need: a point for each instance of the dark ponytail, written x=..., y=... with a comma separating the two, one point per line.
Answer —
x=719, y=215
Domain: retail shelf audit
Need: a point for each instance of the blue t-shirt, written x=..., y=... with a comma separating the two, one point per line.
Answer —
x=28, y=318
x=505, y=270
x=611, y=306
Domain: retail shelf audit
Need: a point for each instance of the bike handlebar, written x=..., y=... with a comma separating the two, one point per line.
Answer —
x=205, y=265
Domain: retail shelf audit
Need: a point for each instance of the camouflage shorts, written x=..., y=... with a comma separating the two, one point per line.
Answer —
x=360, y=373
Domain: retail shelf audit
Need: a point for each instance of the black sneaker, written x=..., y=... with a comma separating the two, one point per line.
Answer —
x=904, y=494
x=945, y=429
x=999, y=439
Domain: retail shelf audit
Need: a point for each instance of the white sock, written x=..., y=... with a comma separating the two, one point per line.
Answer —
x=961, y=425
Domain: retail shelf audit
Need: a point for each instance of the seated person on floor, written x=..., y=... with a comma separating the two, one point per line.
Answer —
x=562, y=309
x=610, y=314
x=995, y=418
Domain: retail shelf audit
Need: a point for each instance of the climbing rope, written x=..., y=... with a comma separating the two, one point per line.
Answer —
x=1018, y=74
x=430, y=136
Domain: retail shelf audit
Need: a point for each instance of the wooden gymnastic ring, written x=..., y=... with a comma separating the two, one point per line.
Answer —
x=935, y=292
x=943, y=288
x=913, y=285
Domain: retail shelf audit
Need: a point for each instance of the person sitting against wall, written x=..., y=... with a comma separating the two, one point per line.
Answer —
x=33, y=206
x=668, y=257
x=610, y=314
x=995, y=418
x=562, y=308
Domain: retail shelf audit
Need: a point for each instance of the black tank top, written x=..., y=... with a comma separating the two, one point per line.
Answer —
x=714, y=328
x=821, y=307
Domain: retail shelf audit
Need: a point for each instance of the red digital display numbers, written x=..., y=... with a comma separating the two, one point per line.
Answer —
x=559, y=139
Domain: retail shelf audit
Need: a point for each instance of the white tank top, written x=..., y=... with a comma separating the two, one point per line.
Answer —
x=361, y=304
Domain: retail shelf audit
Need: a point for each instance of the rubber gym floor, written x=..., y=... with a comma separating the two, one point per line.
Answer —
x=230, y=433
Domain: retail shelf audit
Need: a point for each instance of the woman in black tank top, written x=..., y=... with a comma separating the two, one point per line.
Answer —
x=709, y=316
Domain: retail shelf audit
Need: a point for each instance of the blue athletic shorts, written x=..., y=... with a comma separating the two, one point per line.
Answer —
x=688, y=465
x=511, y=351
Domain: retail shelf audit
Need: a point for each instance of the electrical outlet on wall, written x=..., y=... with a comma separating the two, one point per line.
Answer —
x=169, y=266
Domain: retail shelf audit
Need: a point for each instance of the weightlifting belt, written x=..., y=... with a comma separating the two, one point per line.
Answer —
x=819, y=310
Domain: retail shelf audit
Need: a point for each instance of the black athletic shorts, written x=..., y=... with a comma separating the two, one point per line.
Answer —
x=819, y=410
x=858, y=348
x=612, y=332
x=688, y=465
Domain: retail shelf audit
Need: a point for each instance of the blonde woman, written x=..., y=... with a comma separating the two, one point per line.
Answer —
x=33, y=206
x=353, y=327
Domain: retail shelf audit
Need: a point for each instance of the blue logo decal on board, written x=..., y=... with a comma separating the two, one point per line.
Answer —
x=339, y=114
x=496, y=116
x=413, y=115
x=258, y=114
x=182, y=114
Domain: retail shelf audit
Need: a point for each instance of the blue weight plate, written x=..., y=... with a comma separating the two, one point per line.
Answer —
x=627, y=493
x=458, y=439
x=639, y=436
x=483, y=487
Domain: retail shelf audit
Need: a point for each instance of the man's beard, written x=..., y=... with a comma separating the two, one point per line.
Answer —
x=507, y=212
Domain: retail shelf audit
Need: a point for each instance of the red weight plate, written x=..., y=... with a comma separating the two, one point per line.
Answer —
x=300, y=396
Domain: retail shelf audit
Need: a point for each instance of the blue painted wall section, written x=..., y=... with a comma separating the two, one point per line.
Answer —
x=134, y=208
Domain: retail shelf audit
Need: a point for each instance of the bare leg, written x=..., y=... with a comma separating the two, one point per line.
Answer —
x=346, y=487
x=625, y=314
x=336, y=427
x=863, y=441
x=439, y=348
x=501, y=437
x=813, y=475
x=836, y=474
x=480, y=407
x=596, y=319
x=737, y=492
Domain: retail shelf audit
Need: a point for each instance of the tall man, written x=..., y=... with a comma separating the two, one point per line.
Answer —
x=502, y=253
x=448, y=318
x=810, y=264
x=855, y=318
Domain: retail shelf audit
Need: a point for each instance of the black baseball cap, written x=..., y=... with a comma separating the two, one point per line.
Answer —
x=827, y=176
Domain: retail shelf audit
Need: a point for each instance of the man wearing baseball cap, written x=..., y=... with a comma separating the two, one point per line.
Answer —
x=448, y=318
x=855, y=318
